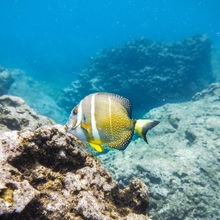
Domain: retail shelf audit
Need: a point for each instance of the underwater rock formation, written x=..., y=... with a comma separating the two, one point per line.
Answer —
x=181, y=164
x=36, y=95
x=16, y=115
x=47, y=174
x=148, y=73
x=5, y=80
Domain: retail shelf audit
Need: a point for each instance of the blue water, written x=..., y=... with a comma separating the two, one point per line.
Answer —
x=53, y=39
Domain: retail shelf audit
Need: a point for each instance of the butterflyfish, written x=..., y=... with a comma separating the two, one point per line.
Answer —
x=104, y=119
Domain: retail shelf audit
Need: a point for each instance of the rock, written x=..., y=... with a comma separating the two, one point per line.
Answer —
x=212, y=93
x=5, y=80
x=16, y=115
x=15, y=193
x=180, y=165
x=163, y=72
x=37, y=95
x=48, y=174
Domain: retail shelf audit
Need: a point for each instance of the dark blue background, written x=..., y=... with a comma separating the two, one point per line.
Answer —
x=53, y=39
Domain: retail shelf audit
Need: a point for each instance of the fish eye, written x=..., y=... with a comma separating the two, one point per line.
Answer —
x=75, y=110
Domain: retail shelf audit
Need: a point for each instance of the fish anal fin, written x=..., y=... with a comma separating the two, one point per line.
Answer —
x=97, y=147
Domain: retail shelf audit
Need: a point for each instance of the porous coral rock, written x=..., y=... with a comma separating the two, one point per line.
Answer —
x=48, y=174
x=16, y=115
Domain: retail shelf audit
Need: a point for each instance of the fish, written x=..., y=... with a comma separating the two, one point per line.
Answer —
x=104, y=119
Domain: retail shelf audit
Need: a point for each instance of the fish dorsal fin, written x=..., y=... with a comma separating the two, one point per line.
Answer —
x=123, y=101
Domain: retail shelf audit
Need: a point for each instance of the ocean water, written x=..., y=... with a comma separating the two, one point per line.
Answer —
x=53, y=40
x=48, y=44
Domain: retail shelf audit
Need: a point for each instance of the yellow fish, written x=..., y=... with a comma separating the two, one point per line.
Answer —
x=105, y=119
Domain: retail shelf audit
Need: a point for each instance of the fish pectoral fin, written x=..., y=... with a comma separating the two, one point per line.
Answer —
x=85, y=126
x=97, y=147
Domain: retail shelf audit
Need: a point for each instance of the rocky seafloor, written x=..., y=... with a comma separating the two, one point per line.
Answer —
x=181, y=164
x=46, y=173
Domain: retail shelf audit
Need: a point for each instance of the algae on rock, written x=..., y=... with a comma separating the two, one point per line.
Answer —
x=48, y=174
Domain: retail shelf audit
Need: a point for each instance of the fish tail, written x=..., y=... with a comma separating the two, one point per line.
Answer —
x=143, y=126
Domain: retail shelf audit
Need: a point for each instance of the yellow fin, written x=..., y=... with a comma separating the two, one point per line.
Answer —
x=97, y=147
x=85, y=126
x=142, y=127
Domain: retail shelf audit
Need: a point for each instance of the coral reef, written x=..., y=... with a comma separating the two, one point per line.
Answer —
x=158, y=72
x=48, y=174
x=5, y=80
x=16, y=115
x=180, y=165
